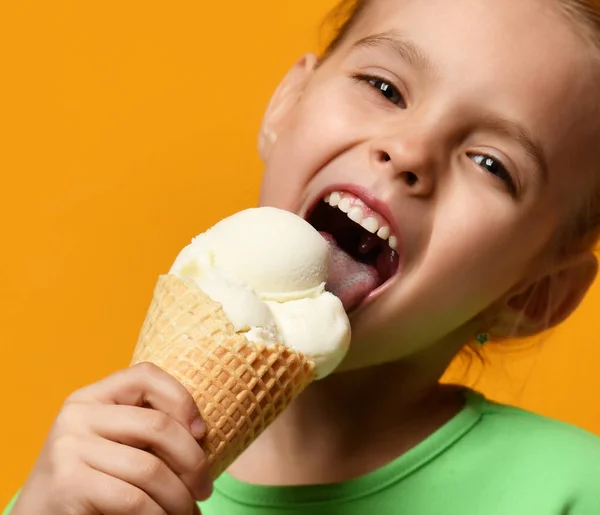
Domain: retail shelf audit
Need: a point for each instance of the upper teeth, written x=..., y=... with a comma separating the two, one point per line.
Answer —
x=333, y=199
x=344, y=205
x=357, y=214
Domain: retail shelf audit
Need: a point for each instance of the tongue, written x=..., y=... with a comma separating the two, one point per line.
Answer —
x=349, y=280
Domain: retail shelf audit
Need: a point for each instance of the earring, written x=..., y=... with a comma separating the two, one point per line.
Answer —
x=482, y=338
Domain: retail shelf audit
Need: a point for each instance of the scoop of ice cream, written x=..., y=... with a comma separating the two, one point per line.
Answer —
x=317, y=327
x=267, y=268
x=276, y=252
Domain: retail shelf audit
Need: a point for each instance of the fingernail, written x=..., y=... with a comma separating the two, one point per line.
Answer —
x=198, y=428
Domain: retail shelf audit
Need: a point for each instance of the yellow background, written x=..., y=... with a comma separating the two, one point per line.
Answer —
x=126, y=128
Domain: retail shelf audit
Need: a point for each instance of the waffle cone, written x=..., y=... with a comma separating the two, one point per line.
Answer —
x=239, y=386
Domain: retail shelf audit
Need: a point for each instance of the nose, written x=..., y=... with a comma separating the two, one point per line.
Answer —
x=407, y=159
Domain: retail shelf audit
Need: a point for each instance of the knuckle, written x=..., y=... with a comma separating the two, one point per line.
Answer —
x=73, y=397
x=135, y=500
x=147, y=368
x=68, y=415
x=158, y=422
x=184, y=399
x=151, y=468
x=76, y=397
x=179, y=392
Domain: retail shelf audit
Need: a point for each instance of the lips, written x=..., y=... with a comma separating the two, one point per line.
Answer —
x=363, y=241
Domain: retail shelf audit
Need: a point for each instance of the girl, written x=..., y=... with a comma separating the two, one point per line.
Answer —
x=448, y=151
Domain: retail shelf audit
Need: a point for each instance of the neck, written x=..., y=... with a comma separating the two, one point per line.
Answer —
x=352, y=423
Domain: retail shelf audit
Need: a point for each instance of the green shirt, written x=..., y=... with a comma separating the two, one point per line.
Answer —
x=490, y=459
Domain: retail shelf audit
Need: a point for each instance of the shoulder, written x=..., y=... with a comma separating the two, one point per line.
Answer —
x=540, y=460
x=531, y=435
x=552, y=459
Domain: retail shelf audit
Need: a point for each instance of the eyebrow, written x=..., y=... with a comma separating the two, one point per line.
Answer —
x=393, y=40
x=415, y=56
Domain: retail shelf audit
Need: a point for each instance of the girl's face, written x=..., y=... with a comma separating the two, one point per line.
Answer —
x=469, y=128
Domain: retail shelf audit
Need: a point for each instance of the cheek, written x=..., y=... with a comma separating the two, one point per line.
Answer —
x=325, y=123
x=481, y=246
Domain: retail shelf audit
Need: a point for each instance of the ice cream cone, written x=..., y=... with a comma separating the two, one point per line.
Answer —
x=239, y=386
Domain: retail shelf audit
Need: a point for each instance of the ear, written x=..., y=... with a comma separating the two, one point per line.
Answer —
x=286, y=96
x=546, y=302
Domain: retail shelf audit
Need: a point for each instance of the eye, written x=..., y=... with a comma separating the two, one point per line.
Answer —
x=495, y=167
x=386, y=88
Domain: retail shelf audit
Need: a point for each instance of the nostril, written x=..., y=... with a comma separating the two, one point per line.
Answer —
x=385, y=157
x=411, y=179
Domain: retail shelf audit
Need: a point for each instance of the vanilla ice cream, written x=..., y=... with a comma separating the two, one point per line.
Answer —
x=267, y=268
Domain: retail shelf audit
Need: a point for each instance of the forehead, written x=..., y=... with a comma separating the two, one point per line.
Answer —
x=522, y=58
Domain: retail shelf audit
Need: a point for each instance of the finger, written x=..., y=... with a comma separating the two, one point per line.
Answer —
x=140, y=469
x=150, y=429
x=146, y=384
x=108, y=494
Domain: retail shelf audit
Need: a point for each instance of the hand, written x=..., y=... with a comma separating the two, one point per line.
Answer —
x=124, y=445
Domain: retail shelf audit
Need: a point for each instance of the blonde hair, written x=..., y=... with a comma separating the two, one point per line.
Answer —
x=586, y=13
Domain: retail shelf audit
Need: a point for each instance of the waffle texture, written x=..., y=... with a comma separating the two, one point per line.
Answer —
x=239, y=386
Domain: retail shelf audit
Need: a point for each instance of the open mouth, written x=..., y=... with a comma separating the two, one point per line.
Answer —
x=364, y=247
